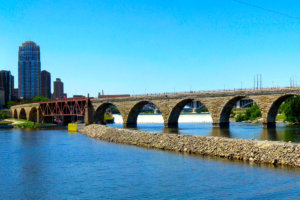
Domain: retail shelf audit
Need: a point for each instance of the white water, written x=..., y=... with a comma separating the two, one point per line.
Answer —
x=183, y=118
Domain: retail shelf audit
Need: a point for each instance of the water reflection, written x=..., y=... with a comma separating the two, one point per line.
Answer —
x=236, y=130
x=220, y=132
x=171, y=130
x=269, y=134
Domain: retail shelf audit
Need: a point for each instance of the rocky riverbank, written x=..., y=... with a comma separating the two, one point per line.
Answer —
x=277, y=153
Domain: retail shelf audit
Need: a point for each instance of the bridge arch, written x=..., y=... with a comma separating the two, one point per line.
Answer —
x=270, y=120
x=15, y=114
x=22, y=114
x=131, y=119
x=224, y=116
x=172, y=120
x=33, y=114
x=100, y=112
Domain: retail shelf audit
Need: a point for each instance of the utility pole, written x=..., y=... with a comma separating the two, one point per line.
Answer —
x=256, y=81
x=260, y=81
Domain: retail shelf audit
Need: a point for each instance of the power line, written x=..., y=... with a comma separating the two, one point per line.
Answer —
x=267, y=9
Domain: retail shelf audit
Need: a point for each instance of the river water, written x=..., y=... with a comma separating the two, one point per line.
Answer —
x=236, y=130
x=55, y=164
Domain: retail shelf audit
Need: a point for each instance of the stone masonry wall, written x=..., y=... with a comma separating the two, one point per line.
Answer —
x=277, y=153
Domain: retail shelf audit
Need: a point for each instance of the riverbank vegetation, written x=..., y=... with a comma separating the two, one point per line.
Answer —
x=4, y=115
x=251, y=114
x=289, y=110
x=108, y=117
x=22, y=123
x=4, y=122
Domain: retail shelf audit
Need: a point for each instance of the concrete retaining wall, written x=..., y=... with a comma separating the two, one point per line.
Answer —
x=277, y=153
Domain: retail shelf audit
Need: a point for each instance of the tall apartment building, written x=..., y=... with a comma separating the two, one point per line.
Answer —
x=58, y=92
x=15, y=94
x=45, y=84
x=12, y=82
x=6, y=83
x=2, y=98
x=29, y=70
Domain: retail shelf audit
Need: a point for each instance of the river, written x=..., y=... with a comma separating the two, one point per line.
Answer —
x=236, y=130
x=55, y=164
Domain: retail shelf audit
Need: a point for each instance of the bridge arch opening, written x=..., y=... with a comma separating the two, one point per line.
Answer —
x=33, y=114
x=277, y=109
x=15, y=114
x=188, y=111
x=239, y=109
x=108, y=113
x=22, y=114
x=144, y=112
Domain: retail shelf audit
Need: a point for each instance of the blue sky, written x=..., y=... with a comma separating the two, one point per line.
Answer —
x=152, y=46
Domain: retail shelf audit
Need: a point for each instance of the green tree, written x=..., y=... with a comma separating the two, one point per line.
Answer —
x=40, y=98
x=239, y=118
x=251, y=113
x=11, y=103
x=291, y=109
x=203, y=109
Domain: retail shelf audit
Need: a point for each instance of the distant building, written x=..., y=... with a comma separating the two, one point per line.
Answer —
x=113, y=96
x=6, y=80
x=76, y=96
x=58, y=89
x=2, y=98
x=45, y=84
x=29, y=70
x=15, y=94
x=12, y=82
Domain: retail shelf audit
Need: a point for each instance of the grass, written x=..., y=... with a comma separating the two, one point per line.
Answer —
x=18, y=120
x=5, y=122
x=280, y=117
x=26, y=123
x=108, y=117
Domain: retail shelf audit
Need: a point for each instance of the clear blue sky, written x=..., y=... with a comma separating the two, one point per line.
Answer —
x=152, y=46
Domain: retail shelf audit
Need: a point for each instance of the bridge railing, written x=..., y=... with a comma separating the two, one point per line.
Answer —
x=214, y=91
x=56, y=100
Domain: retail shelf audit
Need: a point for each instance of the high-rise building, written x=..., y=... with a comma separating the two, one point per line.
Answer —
x=29, y=70
x=15, y=94
x=6, y=84
x=58, y=92
x=2, y=98
x=12, y=80
x=45, y=84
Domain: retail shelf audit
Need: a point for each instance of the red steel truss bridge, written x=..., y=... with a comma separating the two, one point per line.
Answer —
x=64, y=107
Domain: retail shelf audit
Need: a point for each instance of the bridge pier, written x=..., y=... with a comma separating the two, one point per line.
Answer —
x=88, y=116
x=171, y=125
x=269, y=125
x=38, y=116
x=221, y=125
x=129, y=125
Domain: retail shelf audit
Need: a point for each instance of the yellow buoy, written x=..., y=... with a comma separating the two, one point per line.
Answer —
x=72, y=127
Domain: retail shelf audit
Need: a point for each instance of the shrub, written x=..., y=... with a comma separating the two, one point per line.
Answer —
x=5, y=123
x=239, y=118
x=291, y=109
x=251, y=113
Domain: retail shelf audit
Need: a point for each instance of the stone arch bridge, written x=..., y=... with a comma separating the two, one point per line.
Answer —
x=218, y=103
